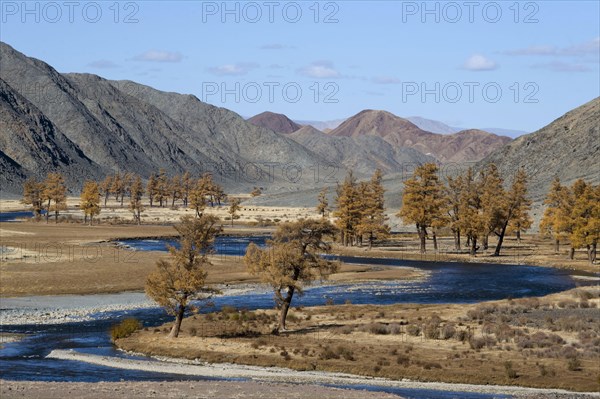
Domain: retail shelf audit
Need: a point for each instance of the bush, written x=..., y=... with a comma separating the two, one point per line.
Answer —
x=125, y=328
x=413, y=329
x=574, y=364
x=510, y=372
x=448, y=331
x=403, y=360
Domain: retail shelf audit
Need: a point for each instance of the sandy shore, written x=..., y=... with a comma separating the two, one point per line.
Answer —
x=275, y=374
x=177, y=389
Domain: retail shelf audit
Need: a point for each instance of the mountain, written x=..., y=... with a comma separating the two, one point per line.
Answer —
x=276, y=122
x=513, y=133
x=569, y=148
x=322, y=125
x=432, y=126
x=464, y=146
x=88, y=126
x=362, y=154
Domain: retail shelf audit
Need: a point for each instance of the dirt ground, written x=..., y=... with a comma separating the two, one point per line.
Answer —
x=176, y=389
x=71, y=258
x=551, y=342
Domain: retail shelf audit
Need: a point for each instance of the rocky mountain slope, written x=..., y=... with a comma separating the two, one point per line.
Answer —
x=464, y=146
x=569, y=148
x=89, y=126
x=276, y=122
x=361, y=154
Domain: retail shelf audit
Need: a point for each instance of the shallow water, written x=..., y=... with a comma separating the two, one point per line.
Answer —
x=445, y=282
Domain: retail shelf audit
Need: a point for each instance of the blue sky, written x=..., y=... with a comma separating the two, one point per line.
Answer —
x=504, y=64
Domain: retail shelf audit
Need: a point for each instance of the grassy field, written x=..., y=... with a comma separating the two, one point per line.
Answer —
x=550, y=342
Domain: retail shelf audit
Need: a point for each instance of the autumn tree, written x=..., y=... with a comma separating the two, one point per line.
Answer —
x=163, y=191
x=176, y=189
x=152, y=189
x=33, y=194
x=348, y=209
x=118, y=187
x=454, y=191
x=515, y=212
x=323, y=205
x=291, y=260
x=90, y=200
x=105, y=187
x=557, y=213
x=234, y=208
x=197, y=200
x=472, y=219
x=586, y=219
x=182, y=278
x=135, y=199
x=186, y=186
x=55, y=192
x=423, y=201
x=372, y=222
x=493, y=202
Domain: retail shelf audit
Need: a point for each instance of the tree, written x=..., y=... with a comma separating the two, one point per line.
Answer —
x=90, y=200
x=372, y=213
x=423, y=201
x=55, y=191
x=118, y=187
x=105, y=187
x=163, y=191
x=515, y=214
x=186, y=186
x=454, y=191
x=291, y=260
x=33, y=194
x=323, y=205
x=348, y=209
x=493, y=202
x=182, y=278
x=234, y=208
x=198, y=197
x=135, y=200
x=472, y=220
x=553, y=222
x=586, y=220
x=152, y=188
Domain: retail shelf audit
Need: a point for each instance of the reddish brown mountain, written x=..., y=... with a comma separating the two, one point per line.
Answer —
x=278, y=123
x=467, y=145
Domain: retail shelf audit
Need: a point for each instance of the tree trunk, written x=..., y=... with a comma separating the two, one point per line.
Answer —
x=572, y=253
x=519, y=235
x=588, y=247
x=457, y=239
x=435, y=246
x=556, y=246
x=122, y=195
x=485, y=242
x=422, y=236
x=178, y=319
x=139, y=217
x=91, y=219
x=56, y=214
x=473, y=251
x=594, y=245
x=371, y=239
x=105, y=198
x=285, y=307
x=48, y=212
x=468, y=240
x=500, y=239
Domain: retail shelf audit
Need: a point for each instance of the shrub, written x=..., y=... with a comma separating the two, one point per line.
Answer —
x=574, y=364
x=378, y=328
x=448, y=331
x=403, y=360
x=327, y=353
x=346, y=353
x=413, y=329
x=510, y=372
x=125, y=328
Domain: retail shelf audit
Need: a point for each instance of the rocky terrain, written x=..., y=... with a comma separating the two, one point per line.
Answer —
x=276, y=122
x=464, y=146
x=569, y=148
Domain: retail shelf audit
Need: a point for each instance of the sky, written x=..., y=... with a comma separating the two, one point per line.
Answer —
x=508, y=64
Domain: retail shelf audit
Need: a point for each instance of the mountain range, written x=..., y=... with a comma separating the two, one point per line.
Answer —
x=85, y=127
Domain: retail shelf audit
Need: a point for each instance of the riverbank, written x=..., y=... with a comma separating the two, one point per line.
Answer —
x=176, y=389
x=550, y=342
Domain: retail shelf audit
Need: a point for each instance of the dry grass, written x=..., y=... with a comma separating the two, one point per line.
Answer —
x=479, y=344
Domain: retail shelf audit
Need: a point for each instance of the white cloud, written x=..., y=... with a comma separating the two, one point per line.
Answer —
x=240, y=68
x=320, y=70
x=478, y=62
x=159, y=56
x=559, y=66
x=102, y=64
x=591, y=47
x=386, y=80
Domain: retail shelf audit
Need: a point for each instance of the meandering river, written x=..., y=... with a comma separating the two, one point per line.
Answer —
x=445, y=282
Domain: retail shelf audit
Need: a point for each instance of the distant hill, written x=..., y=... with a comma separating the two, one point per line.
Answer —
x=569, y=148
x=362, y=154
x=464, y=146
x=432, y=126
x=276, y=122
x=322, y=125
